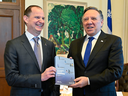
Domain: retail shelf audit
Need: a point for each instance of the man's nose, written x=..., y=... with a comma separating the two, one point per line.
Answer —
x=41, y=20
x=89, y=21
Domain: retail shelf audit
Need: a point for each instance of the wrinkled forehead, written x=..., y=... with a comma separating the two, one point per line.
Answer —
x=36, y=11
x=91, y=13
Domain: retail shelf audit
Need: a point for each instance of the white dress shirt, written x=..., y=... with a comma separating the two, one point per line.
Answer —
x=86, y=41
x=32, y=42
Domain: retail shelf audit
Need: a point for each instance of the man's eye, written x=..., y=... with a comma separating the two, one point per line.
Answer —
x=43, y=18
x=85, y=19
x=37, y=17
x=93, y=18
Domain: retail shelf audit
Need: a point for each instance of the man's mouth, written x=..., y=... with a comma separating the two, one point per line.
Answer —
x=89, y=27
x=40, y=25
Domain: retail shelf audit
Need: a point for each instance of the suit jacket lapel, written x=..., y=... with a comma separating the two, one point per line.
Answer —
x=100, y=42
x=29, y=49
x=80, y=49
x=45, y=52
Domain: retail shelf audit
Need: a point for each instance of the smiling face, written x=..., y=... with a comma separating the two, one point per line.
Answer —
x=35, y=21
x=92, y=22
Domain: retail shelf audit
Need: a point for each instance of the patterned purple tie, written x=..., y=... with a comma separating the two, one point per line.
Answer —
x=88, y=50
x=37, y=51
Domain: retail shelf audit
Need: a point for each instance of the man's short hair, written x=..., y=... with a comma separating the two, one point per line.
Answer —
x=28, y=10
x=94, y=8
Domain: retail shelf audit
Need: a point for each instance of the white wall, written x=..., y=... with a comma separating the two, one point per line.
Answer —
x=117, y=16
x=33, y=2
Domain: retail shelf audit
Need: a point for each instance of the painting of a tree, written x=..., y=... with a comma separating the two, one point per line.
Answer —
x=64, y=25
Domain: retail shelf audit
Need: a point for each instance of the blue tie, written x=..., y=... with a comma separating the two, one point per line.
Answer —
x=88, y=50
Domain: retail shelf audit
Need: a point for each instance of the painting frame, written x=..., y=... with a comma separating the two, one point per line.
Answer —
x=45, y=8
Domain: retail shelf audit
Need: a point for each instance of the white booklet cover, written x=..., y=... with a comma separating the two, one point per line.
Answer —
x=65, y=73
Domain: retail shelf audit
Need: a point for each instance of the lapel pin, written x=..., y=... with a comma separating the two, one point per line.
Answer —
x=45, y=44
x=102, y=41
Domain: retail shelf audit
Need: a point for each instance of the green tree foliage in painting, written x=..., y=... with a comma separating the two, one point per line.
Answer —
x=65, y=25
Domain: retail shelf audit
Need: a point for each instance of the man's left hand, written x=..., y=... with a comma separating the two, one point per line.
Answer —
x=80, y=82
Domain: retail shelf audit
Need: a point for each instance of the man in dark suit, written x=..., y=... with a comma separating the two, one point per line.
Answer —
x=22, y=71
x=105, y=64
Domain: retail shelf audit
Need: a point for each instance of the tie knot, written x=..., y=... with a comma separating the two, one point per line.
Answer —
x=90, y=39
x=36, y=39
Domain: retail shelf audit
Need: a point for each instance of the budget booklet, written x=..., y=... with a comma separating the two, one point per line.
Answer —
x=65, y=73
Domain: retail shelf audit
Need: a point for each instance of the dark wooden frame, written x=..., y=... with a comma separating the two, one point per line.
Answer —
x=20, y=3
x=10, y=5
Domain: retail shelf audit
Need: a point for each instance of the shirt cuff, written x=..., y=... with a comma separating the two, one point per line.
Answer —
x=88, y=81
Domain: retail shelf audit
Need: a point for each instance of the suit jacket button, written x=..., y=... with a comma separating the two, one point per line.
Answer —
x=35, y=85
x=41, y=90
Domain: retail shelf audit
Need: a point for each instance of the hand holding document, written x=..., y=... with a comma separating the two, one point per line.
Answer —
x=65, y=73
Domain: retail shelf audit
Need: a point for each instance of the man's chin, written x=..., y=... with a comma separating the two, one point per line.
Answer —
x=39, y=30
x=90, y=33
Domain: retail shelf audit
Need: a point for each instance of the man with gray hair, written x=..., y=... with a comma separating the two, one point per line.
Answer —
x=98, y=58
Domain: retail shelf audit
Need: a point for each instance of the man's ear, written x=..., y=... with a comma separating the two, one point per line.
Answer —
x=102, y=22
x=25, y=18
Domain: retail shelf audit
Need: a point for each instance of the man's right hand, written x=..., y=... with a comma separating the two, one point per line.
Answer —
x=48, y=73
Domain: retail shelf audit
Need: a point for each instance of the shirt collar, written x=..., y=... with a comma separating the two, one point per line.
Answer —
x=30, y=36
x=95, y=36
